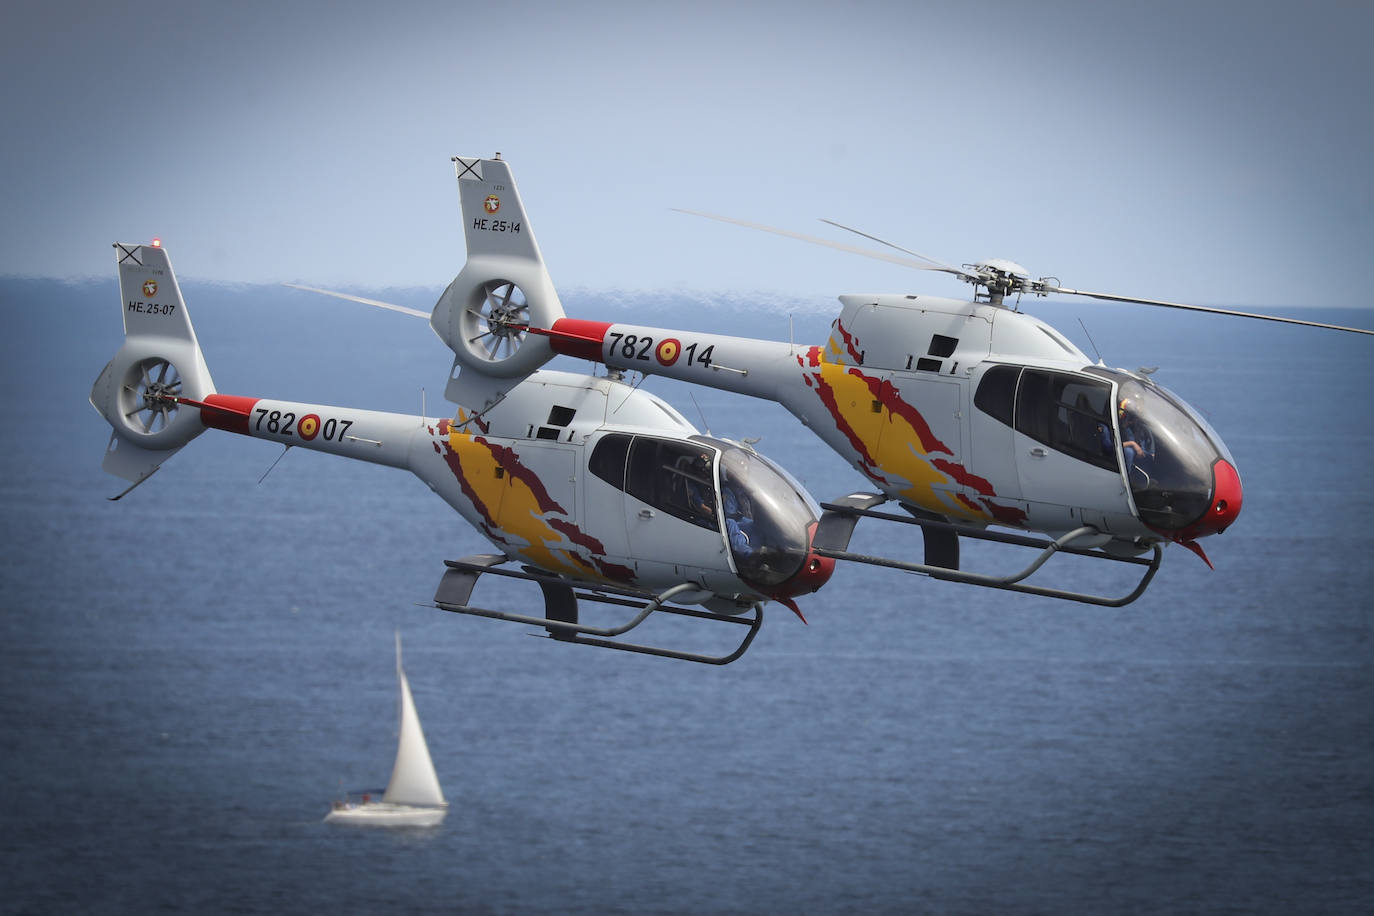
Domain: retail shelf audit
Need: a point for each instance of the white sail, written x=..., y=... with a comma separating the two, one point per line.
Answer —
x=413, y=780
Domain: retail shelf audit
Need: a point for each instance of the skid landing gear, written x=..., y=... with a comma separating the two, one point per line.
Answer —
x=561, y=608
x=942, y=552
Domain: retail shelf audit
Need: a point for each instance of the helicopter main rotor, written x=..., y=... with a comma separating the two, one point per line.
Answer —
x=995, y=278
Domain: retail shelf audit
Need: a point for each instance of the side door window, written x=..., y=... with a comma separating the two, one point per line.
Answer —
x=1069, y=413
x=608, y=459
x=676, y=477
x=996, y=395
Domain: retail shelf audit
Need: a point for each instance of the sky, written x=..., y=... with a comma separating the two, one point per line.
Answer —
x=1214, y=153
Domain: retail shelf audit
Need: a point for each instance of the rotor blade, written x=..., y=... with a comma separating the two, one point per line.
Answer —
x=381, y=305
x=936, y=265
x=1202, y=308
x=815, y=240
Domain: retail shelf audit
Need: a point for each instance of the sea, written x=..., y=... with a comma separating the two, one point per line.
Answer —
x=191, y=675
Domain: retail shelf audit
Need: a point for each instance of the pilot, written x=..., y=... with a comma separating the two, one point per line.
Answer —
x=739, y=518
x=1136, y=441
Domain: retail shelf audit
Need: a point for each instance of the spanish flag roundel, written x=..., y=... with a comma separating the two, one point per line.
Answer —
x=668, y=350
x=308, y=427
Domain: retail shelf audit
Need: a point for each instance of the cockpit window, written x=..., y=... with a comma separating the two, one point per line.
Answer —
x=677, y=477
x=767, y=519
x=1069, y=413
x=1167, y=451
x=1168, y=456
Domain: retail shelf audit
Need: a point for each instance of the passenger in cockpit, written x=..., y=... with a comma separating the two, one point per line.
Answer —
x=700, y=499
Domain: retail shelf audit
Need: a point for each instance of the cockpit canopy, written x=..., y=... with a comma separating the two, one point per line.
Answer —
x=764, y=516
x=1113, y=420
x=1168, y=453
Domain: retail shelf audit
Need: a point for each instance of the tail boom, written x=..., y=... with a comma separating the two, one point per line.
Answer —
x=366, y=435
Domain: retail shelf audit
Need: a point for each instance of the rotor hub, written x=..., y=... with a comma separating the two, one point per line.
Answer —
x=159, y=393
x=506, y=320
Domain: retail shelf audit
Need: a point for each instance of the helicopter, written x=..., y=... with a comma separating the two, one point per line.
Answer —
x=598, y=490
x=971, y=415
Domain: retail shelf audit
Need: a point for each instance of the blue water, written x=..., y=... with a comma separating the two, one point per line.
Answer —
x=190, y=675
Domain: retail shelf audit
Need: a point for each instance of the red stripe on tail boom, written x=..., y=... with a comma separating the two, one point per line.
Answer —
x=576, y=337
x=228, y=412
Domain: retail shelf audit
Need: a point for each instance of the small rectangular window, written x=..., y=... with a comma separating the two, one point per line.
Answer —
x=942, y=346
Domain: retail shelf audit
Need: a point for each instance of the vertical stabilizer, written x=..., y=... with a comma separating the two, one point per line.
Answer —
x=159, y=362
x=501, y=292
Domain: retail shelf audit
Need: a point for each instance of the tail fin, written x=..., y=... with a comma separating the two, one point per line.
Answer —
x=159, y=363
x=502, y=290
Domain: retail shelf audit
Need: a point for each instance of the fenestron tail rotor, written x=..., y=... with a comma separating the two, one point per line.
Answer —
x=147, y=397
x=495, y=328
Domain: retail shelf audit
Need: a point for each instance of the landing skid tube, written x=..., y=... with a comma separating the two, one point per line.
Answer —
x=561, y=609
x=840, y=518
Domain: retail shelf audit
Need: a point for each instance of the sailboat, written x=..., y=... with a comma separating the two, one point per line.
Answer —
x=412, y=797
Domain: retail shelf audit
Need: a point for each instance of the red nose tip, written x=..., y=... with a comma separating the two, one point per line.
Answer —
x=815, y=571
x=1226, y=500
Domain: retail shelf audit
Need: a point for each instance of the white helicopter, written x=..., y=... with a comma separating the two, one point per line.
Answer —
x=600, y=491
x=967, y=413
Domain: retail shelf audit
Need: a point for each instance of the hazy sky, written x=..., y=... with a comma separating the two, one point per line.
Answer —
x=1211, y=152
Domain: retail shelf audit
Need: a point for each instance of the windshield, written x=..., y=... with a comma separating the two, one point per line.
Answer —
x=1167, y=454
x=767, y=519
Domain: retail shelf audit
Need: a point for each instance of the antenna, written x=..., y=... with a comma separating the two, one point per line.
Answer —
x=274, y=464
x=704, y=421
x=1090, y=341
x=642, y=377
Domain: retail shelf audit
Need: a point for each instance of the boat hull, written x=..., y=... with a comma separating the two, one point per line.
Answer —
x=384, y=814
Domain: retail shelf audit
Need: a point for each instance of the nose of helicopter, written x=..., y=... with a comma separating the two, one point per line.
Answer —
x=1225, y=506
x=814, y=572
x=1226, y=500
